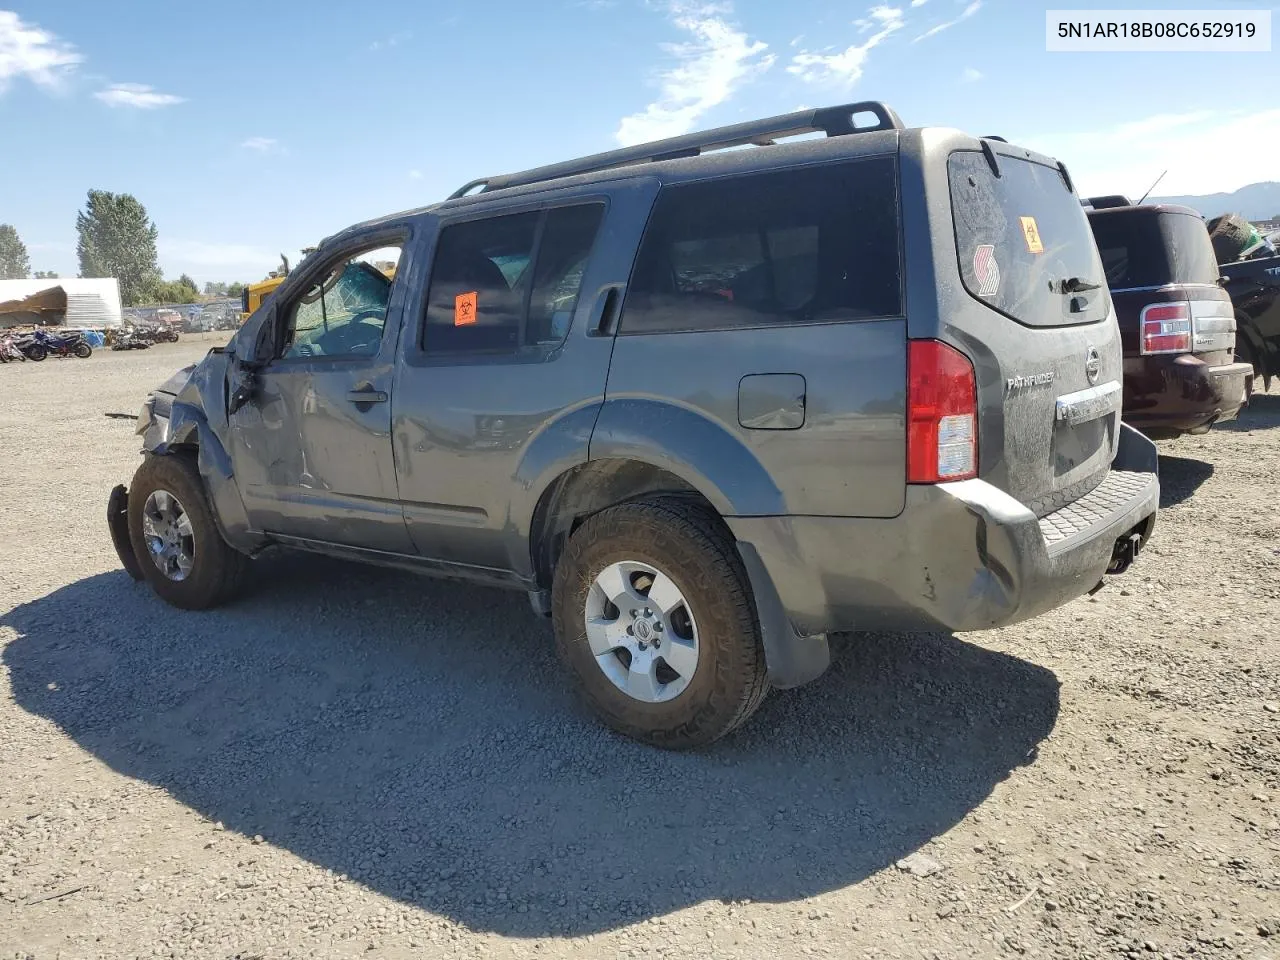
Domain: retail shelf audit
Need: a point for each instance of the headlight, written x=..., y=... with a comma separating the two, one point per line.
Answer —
x=145, y=417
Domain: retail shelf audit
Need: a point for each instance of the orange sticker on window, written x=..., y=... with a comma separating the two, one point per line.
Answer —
x=464, y=309
x=1032, y=234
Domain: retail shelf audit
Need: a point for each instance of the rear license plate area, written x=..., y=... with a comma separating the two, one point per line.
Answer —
x=1082, y=448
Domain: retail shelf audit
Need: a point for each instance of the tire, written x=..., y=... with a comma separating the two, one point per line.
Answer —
x=687, y=544
x=37, y=353
x=83, y=351
x=1229, y=234
x=217, y=570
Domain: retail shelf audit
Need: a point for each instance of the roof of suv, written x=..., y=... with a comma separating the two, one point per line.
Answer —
x=1146, y=209
x=706, y=153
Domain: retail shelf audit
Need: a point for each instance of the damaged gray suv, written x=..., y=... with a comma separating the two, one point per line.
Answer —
x=704, y=406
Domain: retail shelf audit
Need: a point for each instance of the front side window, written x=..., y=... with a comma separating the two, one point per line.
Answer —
x=809, y=245
x=343, y=314
x=503, y=284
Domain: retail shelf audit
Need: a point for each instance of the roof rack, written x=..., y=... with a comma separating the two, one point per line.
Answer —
x=833, y=121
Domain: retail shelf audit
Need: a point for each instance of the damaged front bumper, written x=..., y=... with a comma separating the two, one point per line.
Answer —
x=118, y=524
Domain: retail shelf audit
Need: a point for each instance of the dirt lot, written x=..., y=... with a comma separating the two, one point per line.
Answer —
x=353, y=763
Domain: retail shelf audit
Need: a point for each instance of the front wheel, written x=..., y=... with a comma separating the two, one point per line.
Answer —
x=655, y=620
x=37, y=353
x=83, y=351
x=174, y=536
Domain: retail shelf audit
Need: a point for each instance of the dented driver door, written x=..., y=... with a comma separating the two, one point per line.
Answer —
x=312, y=451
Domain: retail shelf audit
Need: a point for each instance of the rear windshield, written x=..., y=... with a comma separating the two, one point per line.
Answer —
x=1023, y=241
x=1142, y=248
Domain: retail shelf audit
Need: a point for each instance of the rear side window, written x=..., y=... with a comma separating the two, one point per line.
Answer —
x=1146, y=248
x=501, y=284
x=809, y=245
x=1023, y=241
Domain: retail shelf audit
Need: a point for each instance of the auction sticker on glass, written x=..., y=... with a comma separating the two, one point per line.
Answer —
x=1158, y=31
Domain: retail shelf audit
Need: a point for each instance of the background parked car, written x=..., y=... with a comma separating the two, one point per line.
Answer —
x=1177, y=324
x=1251, y=265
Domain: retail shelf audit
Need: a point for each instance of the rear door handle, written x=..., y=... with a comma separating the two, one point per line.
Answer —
x=604, y=312
x=367, y=396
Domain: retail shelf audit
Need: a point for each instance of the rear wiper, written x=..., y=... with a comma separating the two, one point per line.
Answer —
x=1077, y=285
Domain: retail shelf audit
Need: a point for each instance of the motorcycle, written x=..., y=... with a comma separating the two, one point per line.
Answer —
x=40, y=344
x=9, y=351
x=128, y=340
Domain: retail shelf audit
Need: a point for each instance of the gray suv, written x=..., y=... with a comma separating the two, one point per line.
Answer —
x=703, y=405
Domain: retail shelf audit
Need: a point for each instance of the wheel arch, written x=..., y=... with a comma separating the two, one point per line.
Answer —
x=586, y=489
x=188, y=432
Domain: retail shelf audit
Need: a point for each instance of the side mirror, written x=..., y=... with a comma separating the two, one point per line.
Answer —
x=264, y=344
x=244, y=371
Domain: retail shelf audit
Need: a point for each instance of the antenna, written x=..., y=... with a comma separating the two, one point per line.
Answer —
x=1150, y=188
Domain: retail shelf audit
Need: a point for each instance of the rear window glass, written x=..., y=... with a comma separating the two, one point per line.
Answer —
x=811, y=245
x=1023, y=241
x=1147, y=249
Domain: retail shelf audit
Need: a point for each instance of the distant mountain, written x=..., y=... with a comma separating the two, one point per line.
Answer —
x=1257, y=201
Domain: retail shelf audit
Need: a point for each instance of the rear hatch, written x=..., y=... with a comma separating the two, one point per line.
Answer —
x=1038, y=324
x=1163, y=275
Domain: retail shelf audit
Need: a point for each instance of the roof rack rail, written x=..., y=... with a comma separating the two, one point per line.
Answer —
x=833, y=121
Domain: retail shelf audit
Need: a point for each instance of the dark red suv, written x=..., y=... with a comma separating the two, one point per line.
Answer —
x=1177, y=324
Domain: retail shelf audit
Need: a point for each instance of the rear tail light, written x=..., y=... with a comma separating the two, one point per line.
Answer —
x=1166, y=328
x=942, y=413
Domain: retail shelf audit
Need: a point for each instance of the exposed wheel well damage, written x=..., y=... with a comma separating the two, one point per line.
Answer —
x=586, y=490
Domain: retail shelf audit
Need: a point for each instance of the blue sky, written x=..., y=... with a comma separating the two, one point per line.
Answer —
x=248, y=129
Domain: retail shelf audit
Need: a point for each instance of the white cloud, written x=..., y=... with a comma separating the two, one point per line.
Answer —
x=708, y=70
x=970, y=75
x=965, y=14
x=415, y=174
x=1127, y=157
x=261, y=144
x=845, y=68
x=139, y=96
x=27, y=51
x=392, y=41
x=918, y=3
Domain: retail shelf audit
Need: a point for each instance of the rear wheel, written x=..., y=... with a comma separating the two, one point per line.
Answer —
x=174, y=536
x=655, y=620
x=37, y=353
x=83, y=351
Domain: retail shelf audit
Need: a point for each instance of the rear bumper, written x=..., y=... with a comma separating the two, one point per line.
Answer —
x=961, y=556
x=1165, y=396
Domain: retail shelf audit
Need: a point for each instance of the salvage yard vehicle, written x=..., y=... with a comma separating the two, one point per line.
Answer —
x=704, y=406
x=1251, y=267
x=1176, y=321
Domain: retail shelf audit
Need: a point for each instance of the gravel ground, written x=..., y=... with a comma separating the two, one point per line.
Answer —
x=356, y=763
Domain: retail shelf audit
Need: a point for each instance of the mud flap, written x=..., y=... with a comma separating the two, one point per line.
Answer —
x=118, y=524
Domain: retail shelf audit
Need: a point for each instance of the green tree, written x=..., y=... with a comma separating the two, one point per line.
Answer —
x=186, y=281
x=45, y=275
x=14, y=264
x=212, y=289
x=172, y=291
x=235, y=290
x=118, y=239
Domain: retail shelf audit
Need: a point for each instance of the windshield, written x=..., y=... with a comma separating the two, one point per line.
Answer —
x=1023, y=241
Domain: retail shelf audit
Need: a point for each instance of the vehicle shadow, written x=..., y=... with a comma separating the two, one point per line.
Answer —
x=419, y=737
x=1262, y=413
x=1180, y=478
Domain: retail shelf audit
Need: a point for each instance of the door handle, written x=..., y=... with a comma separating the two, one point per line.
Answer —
x=604, y=312
x=367, y=396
